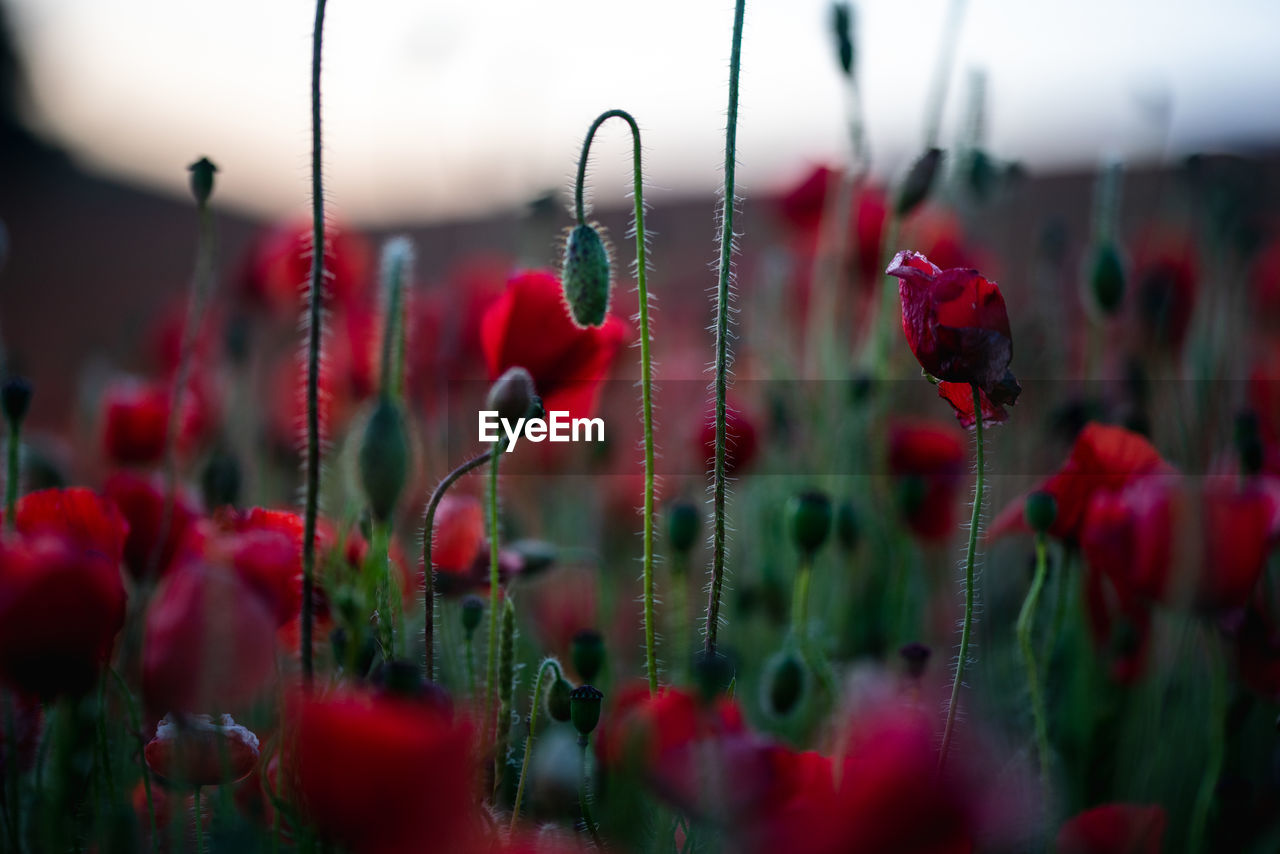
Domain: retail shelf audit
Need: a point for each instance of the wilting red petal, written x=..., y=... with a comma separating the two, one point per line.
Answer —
x=194, y=751
x=1114, y=829
x=142, y=501
x=960, y=397
x=927, y=461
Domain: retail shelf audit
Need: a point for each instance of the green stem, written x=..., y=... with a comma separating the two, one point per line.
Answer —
x=199, y=824
x=1062, y=594
x=584, y=797
x=104, y=745
x=942, y=74
x=135, y=721
x=428, y=568
x=392, y=362
x=11, y=480
x=800, y=598
x=1217, y=746
x=646, y=367
x=719, y=488
x=315, y=329
x=1026, y=619
x=380, y=551
x=974, y=521
x=528, y=739
x=490, y=671
x=882, y=334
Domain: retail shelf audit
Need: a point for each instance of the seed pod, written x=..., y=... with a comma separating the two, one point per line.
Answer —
x=919, y=182
x=472, y=611
x=202, y=172
x=1040, y=511
x=513, y=396
x=1106, y=279
x=384, y=458
x=586, y=276
x=809, y=521
x=15, y=398
x=785, y=683
x=558, y=705
x=683, y=522
x=587, y=653
x=584, y=708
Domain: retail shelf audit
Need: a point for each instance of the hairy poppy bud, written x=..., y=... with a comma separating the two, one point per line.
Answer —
x=512, y=395
x=842, y=24
x=1041, y=510
x=384, y=458
x=915, y=656
x=202, y=172
x=472, y=611
x=15, y=397
x=586, y=276
x=809, y=521
x=587, y=653
x=919, y=181
x=1106, y=279
x=683, y=522
x=220, y=480
x=584, y=708
x=558, y=703
x=785, y=683
x=848, y=526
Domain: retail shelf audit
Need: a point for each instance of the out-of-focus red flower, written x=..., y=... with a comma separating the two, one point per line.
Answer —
x=357, y=551
x=528, y=326
x=1239, y=530
x=209, y=644
x=1256, y=645
x=1264, y=393
x=135, y=419
x=1166, y=271
x=957, y=326
x=195, y=751
x=277, y=269
x=741, y=442
x=458, y=533
x=1265, y=282
x=803, y=207
x=1114, y=829
x=928, y=463
x=62, y=603
x=383, y=775
x=80, y=516
x=1119, y=624
x=142, y=501
x=1128, y=535
x=941, y=238
x=1104, y=458
x=563, y=604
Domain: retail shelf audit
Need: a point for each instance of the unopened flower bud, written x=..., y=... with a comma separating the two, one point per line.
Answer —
x=513, y=396
x=586, y=276
x=384, y=458
x=202, y=172
x=683, y=522
x=713, y=673
x=1106, y=279
x=472, y=611
x=1040, y=511
x=587, y=653
x=785, y=682
x=919, y=182
x=809, y=521
x=15, y=397
x=558, y=703
x=584, y=708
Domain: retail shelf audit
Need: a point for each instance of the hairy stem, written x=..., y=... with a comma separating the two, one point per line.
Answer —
x=491, y=668
x=584, y=796
x=528, y=739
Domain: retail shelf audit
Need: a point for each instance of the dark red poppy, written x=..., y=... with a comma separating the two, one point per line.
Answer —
x=209, y=643
x=196, y=751
x=80, y=516
x=381, y=774
x=142, y=501
x=1166, y=272
x=1239, y=531
x=1104, y=458
x=804, y=206
x=741, y=441
x=1119, y=625
x=135, y=419
x=529, y=326
x=1128, y=535
x=1265, y=282
x=62, y=603
x=459, y=533
x=928, y=463
x=1114, y=829
x=277, y=268
x=957, y=326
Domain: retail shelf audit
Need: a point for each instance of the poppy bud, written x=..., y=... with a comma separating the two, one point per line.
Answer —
x=809, y=521
x=842, y=24
x=220, y=480
x=535, y=556
x=683, y=521
x=584, y=708
x=915, y=656
x=713, y=672
x=384, y=458
x=558, y=703
x=202, y=179
x=472, y=611
x=586, y=276
x=15, y=397
x=1106, y=279
x=785, y=683
x=587, y=653
x=919, y=181
x=198, y=752
x=397, y=678
x=1041, y=510
x=513, y=396
x=1248, y=443
x=848, y=527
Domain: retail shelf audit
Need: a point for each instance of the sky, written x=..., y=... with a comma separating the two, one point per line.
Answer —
x=440, y=110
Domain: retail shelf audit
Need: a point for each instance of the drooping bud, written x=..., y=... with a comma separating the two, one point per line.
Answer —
x=915, y=656
x=202, y=172
x=384, y=458
x=683, y=522
x=848, y=526
x=586, y=651
x=513, y=396
x=472, y=612
x=1106, y=279
x=220, y=479
x=842, y=22
x=558, y=703
x=15, y=398
x=786, y=679
x=1040, y=511
x=586, y=276
x=584, y=708
x=809, y=521
x=919, y=182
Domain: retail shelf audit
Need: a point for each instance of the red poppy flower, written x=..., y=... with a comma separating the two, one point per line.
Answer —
x=563, y=604
x=1104, y=458
x=61, y=606
x=79, y=516
x=928, y=463
x=644, y=727
x=210, y=642
x=136, y=420
x=957, y=326
x=142, y=501
x=381, y=774
x=1128, y=536
x=528, y=326
x=803, y=207
x=458, y=533
x=1166, y=271
x=741, y=442
x=1239, y=531
x=1114, y=829
x=1119, y=625
x=277, y=268
x=960, y=397
x=1265, y=282
x=1257, y=645
x=195, y=751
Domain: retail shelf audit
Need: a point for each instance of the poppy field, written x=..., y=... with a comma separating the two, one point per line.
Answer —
x=891, y=539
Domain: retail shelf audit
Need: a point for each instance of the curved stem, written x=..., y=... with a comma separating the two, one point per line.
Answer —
x=584, y=797
x=1217, y=746
x=428, y=568
x=968, y=585
x=719, y=487
x=528, y=739
x=800, y=598
x=490, y=671
x=1026, y=619
x=315, y=321
x=1061, y=594
x=646, y=368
